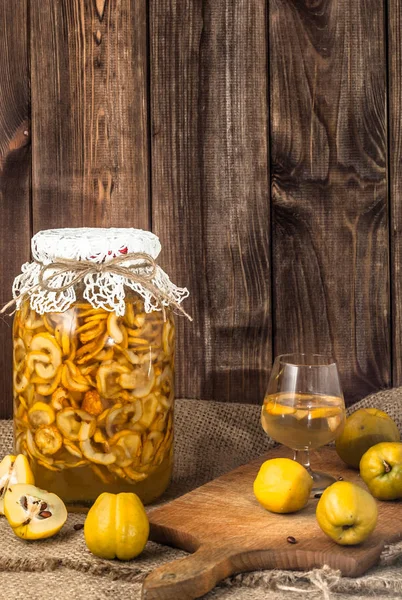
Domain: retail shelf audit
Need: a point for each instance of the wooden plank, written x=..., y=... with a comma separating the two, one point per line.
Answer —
x=15, y=163
x=89, y=113
x=329, y=186
x=210, y=203
x=395, y=179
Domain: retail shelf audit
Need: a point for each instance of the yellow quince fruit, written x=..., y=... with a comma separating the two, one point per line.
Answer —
x=381, y=470
x=346, y=513
x=117, y=526
x=363, y=429
x=282, y=485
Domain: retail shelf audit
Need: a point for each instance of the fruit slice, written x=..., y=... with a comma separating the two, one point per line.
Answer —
x=48, y=439
x=92, y=403
x=45, y=342
x=69, y=421
x=107, y=376
x=13, y=469
x=96, y=456
x=274, y=408
x=33, y=513
x=113, y=328
x=325, y=412
x=140, y=380
x=41, y=414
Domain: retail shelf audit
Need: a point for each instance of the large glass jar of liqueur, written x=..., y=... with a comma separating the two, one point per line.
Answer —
x=94, y=365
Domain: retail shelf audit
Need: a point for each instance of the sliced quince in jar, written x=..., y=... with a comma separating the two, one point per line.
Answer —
x=123, y=416
x=33, y=321
x=72, y=448
x=40, y=362
x=126, y=447
x=34, y=451
x=90, y=350
x=101, y=316
x=113, y=328
x=21, y=402
x=60, y=399
x=107, y=378
x=94, y=454
x=41, y=414
x=100, y=437
x=115, y=419
x=156, y=437
x=45, y=342
x=163, y=450
x=51, y=321
x=134, y=475
x=101, y=420
x=13, y=469
x=168, y=338
x=34, y=513
x=147, y=452
x=130, y=355
x=149, y=408
x=44, y=387
x=21, y=381
x=48, y=439
x=69, y=421
x=140, y=380
x=92, y=331
x=129, y=315
x=105, y=354
x=19, y=353
x=159, y=423
x=166, y=402
x=87, y=310
x=31, y=396
x=92, y=403
x=69, y=461
x=72, y=378
x=118, y=471
x=87, y=430
x=65, y=344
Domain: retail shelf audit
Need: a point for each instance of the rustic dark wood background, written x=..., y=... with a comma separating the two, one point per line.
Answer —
x=260, y=139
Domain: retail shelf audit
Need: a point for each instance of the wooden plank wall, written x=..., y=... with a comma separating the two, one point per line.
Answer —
x=15, y=170
x=253, y=137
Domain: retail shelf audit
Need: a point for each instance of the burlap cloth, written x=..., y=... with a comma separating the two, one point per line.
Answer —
x=211, y=438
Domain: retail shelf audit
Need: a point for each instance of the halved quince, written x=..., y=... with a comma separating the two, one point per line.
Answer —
x=33, y=513
x=13, y=469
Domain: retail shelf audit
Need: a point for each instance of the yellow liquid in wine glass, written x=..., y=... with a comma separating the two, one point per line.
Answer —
x=303, y=421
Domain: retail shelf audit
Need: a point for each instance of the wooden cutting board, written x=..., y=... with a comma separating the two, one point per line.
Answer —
x=228, y=532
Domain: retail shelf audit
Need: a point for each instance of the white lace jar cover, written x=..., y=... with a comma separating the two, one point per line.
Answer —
x=102, y=287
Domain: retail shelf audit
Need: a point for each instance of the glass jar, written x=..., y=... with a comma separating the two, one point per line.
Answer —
x=93, y=398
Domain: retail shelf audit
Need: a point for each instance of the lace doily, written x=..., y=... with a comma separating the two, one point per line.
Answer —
x=101, y=290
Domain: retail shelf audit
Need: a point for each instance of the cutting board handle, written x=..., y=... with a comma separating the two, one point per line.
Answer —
x=189, y=577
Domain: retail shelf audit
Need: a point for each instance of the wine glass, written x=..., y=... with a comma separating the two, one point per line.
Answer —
x=304, y=408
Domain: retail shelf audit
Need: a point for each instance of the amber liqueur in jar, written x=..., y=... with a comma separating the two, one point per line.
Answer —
x=94, y=368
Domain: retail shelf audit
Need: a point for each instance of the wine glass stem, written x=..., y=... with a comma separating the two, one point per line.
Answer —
x=303, y=457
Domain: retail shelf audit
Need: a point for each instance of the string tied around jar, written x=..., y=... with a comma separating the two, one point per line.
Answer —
x=142, y=272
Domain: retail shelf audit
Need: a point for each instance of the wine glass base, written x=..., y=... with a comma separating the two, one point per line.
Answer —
x=320, y=482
